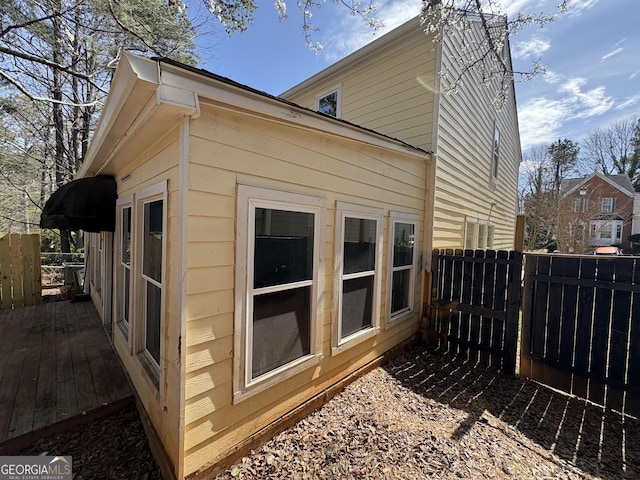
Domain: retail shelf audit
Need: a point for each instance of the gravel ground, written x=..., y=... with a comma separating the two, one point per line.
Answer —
x=420, y=416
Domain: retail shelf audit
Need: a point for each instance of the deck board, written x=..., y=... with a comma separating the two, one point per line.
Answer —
x=57, y=364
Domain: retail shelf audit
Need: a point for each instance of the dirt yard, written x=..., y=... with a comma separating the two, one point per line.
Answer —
x=419, y=417
x=425, y=416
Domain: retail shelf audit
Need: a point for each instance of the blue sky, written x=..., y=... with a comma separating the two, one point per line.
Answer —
x=592, y=56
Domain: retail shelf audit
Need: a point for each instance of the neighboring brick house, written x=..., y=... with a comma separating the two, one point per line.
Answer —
x=595, y=211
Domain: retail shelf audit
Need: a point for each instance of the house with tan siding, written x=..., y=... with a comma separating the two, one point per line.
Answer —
x=263, y=255
x=393, y=85
x=266, y=250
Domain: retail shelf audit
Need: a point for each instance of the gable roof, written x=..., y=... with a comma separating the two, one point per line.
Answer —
x=373, y=47
x=152, y=95
x=620, y=181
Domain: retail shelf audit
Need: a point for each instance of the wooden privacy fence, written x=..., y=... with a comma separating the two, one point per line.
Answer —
x=20, y=276
x=478, y=294
x=581, y=327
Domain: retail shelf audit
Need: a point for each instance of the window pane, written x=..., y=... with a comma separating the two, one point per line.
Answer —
x=469, y=241
x=400, y=290
x=126, y=274
x=357, y=300
x=152, y=246
x=152, y=334
x=283, y=247
x=329, y=104
x=359, y=245
x=281, y=329
x=482, y=235
x=126, y=236
x=403, y=244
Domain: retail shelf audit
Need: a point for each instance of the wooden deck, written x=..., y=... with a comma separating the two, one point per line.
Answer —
x=57, y=367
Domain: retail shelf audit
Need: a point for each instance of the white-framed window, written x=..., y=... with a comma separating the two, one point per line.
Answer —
x=329, y=102
x=478, y=234
x=580, y=204
x=150, y=260
x=607, y=231
x=358, y=274
x=495, y=158
x=403, y=231
x=123, y=264
x=278, y=285
x=470, y=235
x=607, y=205
x=482, y=235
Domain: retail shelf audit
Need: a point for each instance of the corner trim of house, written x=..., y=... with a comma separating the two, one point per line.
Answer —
x=226, y=459
x=155, y=444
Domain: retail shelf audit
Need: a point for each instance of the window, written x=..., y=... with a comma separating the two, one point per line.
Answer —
x=482, y=236
x=403, y=229
x=496, y=152
x=580, y=205
x=618, y=231
x=123, y=264
x=605, y=230
x=607, y=205
x=151, y=245
x=358, y=282
x=478, y=234
x=470, y=235
x=278, y=280
x=329, y=103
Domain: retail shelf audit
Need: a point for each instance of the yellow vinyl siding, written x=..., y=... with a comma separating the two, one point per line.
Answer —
x=158, y=163
x=227, y=149
x=392, y=86
x=464, y=184
x=390, y=91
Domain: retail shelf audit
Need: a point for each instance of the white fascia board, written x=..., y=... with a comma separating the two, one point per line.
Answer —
x=137, y=101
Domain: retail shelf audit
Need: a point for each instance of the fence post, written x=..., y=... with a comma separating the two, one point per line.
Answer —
x=5, y=271
x=513, y=312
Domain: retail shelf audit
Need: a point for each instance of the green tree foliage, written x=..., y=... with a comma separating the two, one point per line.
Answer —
x=57, y=59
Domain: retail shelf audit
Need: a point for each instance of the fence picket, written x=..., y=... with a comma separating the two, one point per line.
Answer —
x=20, y=275
x=474, y=280
x=591, y=322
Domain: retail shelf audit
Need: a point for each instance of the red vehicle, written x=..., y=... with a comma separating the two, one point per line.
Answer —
x=607, y=251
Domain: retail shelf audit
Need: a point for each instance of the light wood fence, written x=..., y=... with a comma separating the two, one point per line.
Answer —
x=20, y=275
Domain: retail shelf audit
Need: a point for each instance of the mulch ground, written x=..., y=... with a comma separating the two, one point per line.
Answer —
x=420, y=416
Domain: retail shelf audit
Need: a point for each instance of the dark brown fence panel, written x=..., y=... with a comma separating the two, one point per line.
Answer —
x=483, y=289
x=581, y=327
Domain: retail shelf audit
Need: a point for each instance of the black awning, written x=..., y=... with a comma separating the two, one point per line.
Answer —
x=87, y=204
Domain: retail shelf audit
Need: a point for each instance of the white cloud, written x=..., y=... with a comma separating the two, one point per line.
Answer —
x=634, y=74
x=587, y=103
x=576, y=7
x=629, y=102
x=540, y=119
x=351, y=33
x=533, y=48
x=611, y=54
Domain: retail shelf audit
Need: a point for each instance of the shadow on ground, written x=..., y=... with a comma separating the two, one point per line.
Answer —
x=599, y=442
